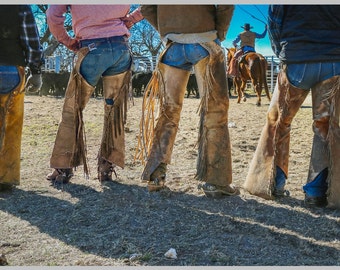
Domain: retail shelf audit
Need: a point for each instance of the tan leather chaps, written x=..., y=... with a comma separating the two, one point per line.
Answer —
x=214, y=153
x=326, y=140
x=116, y=88
x=69, y=149
x=11, y=124
x=175, y=81
x=273, y=146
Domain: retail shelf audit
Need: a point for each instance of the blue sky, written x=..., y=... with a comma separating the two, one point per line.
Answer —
x=250, y=14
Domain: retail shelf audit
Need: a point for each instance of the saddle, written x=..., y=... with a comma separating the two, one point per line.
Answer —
x=244, y=54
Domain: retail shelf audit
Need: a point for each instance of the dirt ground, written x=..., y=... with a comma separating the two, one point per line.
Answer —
x=120, y=223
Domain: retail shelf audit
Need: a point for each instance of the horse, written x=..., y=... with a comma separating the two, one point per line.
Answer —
x=253, y=67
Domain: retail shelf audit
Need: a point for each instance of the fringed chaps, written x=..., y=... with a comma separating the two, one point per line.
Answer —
x=326, y=140
x=172, y=91
x=273, y=147
x=70, y=144
x=11, y=124
x=214, y=164
x=112, y=147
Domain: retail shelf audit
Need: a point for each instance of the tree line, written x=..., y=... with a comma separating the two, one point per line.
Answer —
x=144, y=39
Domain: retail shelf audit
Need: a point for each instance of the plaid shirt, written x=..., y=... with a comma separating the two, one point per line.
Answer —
x=275, y=17
x=30, y=38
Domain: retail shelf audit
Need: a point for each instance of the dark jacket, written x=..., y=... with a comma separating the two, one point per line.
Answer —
x=305, y=33
x=189, y=18
x=11, y=49
x=19, y=38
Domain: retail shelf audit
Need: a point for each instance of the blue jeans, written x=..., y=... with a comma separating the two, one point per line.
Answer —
x=107, y=56
x=184, y=56
x=9, y=79
x=305, y=76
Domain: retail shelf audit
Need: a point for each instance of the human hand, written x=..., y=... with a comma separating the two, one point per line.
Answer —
x=73, y=45
x=34, y=83
x=128, y=22
x=221, y=35
x=132, y=18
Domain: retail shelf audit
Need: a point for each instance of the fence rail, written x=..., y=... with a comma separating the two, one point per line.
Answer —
x=148, y=64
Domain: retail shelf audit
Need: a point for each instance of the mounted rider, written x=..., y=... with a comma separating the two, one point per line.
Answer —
x=247, y=44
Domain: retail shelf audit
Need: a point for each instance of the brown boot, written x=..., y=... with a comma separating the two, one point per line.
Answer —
x=6, y=187
x=218, y=191
x=60, y=175
x=105, y=169
x=157, y=178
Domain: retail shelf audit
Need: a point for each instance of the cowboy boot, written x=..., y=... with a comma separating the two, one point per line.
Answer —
x=324, y=168
x=11, y=123
x=272, y=152
x=60, y=175
x=175, y=82
x=112, y=149
x=214, y=166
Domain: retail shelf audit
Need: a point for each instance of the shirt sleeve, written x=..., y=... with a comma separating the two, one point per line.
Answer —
x=236, y=40
x=275, y=18
x=30, y=39
x=136, y=15
x=261, y=35
x=55, y=20
x=149, y=12
x=223, y=18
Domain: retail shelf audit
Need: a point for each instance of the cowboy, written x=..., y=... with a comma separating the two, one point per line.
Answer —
x=191, y=43
x=306, y=40
x=19, y=48
x=102, y=50
x=247, y=44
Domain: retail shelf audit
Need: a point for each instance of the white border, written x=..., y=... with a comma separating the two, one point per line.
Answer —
x=112, y=2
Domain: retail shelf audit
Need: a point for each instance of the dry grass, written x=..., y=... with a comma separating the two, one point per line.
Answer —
x=120, y=223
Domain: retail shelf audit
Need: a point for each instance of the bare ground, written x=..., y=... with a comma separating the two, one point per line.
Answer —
x=121, y=223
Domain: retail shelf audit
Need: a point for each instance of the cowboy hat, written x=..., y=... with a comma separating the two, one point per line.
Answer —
x=246, y=26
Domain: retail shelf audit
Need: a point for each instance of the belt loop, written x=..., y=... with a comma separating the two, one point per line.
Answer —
x=92, y=46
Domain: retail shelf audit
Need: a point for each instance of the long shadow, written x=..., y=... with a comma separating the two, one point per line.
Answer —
x=126, y=219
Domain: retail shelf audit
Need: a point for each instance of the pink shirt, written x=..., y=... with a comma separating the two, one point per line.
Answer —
x=90, y=21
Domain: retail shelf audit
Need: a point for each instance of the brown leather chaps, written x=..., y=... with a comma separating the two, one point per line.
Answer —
x=273, y=146
x=69, y=149
x=214, y=153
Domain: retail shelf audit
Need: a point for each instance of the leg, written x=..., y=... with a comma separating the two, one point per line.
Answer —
x=324, y=168
x=11, y=124
x=112, y=149
x=334, y=148
x=214, y=164
x=175, y=81
x=69, y=147
x=273, y=147
x=241, y=90
x=258, y=89
x=240, y=94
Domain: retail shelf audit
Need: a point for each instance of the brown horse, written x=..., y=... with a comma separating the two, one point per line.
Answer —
x=253, y=67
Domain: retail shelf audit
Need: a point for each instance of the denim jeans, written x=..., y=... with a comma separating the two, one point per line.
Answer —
x=305, y=76
x=9, y=79
x=107, y=56
x=184, y=56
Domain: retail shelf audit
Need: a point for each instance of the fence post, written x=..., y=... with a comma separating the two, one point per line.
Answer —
x=272, y=75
